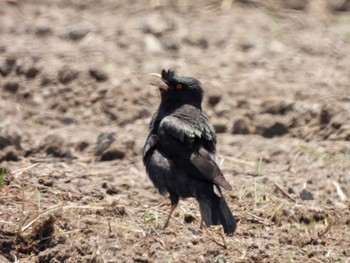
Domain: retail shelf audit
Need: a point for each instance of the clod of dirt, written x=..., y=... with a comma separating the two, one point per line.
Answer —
x=55, y=255
x=98, y=74
x=306, y=195
x=46, y=181
x=7, y=67
x=67, y=75
x=82, y=145
x=325, y=116
x=220, y=126
x=31, y=72
x=10, y=137
x=154, y=247
x=43, y=31
x=104, y=140
x=339, y=5
x=47, y=79
x=241, y=126
x=295, y=4
x=115, y=151
x=157, y=25
x=189, y=218
x=11, y=87
x=9, y=154
x=214, y=99
x=269, y=127
x=276, y=107
x=54, y=145
x=200, y=42
x=43, y=233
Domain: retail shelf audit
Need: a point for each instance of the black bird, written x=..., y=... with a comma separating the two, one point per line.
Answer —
x=180, y=154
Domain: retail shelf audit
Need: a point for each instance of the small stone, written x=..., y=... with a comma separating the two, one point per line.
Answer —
x=7, y=67
x=78, y=32
x=154, y=247
x=104, y=140
x=152, y=44
x=98, y=74
x=306, y=195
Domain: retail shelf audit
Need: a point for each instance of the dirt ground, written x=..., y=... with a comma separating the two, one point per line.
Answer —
x=75, y=104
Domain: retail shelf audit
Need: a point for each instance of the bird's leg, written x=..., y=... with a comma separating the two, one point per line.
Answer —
x=174, y=199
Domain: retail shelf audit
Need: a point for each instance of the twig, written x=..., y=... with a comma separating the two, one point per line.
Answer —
x=219, y=232
x=154, y=231
x=284, y=192
x=328, y=227
x=320, y=235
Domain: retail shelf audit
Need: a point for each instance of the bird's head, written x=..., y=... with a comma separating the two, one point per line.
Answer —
x=178, y=91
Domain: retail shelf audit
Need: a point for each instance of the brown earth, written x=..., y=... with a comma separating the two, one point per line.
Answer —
x=75, y=105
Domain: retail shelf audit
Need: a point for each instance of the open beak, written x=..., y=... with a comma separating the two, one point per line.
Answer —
x=163, y=87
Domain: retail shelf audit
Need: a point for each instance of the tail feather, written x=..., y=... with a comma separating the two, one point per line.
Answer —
x=215, y=211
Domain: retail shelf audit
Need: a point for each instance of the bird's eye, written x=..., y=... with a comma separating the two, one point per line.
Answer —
x=179, y=86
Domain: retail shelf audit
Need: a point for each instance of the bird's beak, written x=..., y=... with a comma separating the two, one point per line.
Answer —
x=163, y=87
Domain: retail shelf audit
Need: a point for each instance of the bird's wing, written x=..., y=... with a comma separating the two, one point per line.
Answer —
x=190, y=142
x=187, y=128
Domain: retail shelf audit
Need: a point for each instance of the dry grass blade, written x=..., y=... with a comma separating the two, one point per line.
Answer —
x=22, y=170
x=340, y=192
x=284, y=192
x=57, y=207
x=237, y=160
x=46, y=212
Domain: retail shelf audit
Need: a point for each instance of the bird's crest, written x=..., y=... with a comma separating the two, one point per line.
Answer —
x=168, y=75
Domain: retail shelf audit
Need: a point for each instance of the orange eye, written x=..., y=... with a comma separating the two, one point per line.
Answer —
x=179, y=86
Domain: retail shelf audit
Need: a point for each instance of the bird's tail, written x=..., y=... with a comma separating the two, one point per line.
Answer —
x=215, y=211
